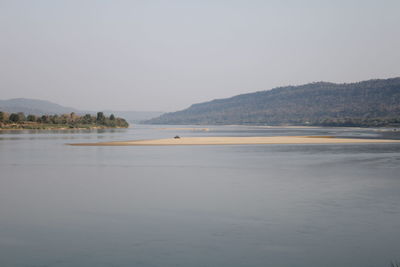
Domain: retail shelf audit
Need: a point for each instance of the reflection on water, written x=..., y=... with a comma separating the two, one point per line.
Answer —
x=243, y=205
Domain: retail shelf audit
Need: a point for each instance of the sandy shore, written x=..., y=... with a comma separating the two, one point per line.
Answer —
x=240, y=141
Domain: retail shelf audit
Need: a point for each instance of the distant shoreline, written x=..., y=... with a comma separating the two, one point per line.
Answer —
x=260, y=140
x=18, y=121
x=208, y=127
x=60, y=128
x=63, y=127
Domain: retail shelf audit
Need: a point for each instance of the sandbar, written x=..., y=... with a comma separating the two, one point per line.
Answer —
x=257, y=140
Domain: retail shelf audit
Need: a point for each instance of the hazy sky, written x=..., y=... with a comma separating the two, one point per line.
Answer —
x=167, y=55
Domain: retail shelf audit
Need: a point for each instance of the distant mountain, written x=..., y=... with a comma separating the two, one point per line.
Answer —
x=367, y=103
x=33, y=106
x=41, y=107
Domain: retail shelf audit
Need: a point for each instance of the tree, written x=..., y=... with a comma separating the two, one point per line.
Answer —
x=14, y=117
x=87, y=119
x=21, y=116
x=54, y=119
x=71, y=120
x=121, y=122
x=64, y=118
x=73, y=117
x=100, y=117
x=6, y=116
x=31, y=118
x=44, y=119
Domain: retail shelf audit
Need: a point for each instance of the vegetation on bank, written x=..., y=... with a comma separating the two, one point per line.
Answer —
x=372, y=103
x=64, y=121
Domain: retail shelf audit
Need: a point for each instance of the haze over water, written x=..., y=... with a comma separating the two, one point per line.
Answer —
x=242, y=205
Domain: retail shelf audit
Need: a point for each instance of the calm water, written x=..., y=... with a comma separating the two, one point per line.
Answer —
x=243, y=205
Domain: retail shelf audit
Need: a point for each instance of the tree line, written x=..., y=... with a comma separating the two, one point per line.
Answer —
x=72, y=120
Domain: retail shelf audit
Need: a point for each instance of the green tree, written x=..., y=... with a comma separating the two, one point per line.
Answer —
x=31, y=118
x=14, y=117
x=112, y=117
x=87, y=119
x=44, y=119
x=100, y=118
x=121, y=122
x=54, y=119
x=73, y=117
x=64, y=119
x=2, y=116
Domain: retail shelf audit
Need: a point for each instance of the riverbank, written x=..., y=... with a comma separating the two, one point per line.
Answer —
x=19, y=127
x=259, y=140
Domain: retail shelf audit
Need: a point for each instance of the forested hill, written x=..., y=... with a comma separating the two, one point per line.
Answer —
x=367, y=103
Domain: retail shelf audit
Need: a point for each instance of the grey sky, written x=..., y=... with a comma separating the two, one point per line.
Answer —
x=166, y=55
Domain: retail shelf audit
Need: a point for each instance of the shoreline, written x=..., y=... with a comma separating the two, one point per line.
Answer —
x=258, y=140
x=61, y=129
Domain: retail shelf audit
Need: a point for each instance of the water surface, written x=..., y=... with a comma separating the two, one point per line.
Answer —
x=241, y=205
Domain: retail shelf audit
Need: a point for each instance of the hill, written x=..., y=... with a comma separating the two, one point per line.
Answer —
x=34, y=106
x=40, y=107
x=366, y=103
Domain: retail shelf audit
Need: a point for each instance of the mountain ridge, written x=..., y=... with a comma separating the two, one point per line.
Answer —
x=33, y=106
x=319, y=103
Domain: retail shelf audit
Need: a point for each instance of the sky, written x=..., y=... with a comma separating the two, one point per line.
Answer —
x=166, y=55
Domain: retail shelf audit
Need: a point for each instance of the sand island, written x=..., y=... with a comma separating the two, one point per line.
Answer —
x=258, y=140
